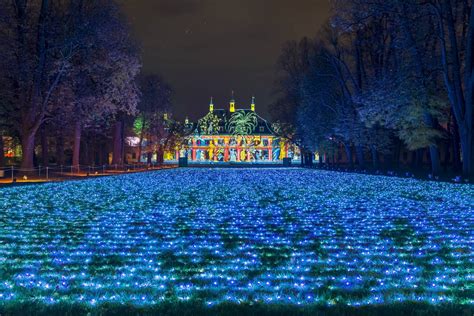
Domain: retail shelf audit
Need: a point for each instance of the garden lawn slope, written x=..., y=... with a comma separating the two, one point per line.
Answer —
x=237, y=240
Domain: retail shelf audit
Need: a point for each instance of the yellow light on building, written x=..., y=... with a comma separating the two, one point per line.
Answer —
x=211, y=106
x=217, y=140
x=232, y=104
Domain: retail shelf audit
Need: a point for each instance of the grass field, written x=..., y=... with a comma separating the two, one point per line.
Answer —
x=204, y=241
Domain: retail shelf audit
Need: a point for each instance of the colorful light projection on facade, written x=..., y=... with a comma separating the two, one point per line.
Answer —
x=234, y=135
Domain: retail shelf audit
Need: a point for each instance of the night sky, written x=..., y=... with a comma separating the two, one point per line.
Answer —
x=208, y=48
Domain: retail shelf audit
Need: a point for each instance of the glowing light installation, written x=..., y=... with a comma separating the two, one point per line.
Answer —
x=238, y=235
x=233, y=135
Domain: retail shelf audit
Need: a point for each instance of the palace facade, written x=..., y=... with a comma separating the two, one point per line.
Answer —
x=234, y=135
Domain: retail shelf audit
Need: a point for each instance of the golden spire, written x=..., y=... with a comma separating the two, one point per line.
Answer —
x=252, y=105
x=211, y=106
x=232, y=103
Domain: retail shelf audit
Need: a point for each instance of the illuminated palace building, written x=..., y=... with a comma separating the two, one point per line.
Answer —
x=234, y=135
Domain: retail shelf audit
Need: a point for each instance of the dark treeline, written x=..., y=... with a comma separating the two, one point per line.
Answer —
x=70, y=83
x=384, y=75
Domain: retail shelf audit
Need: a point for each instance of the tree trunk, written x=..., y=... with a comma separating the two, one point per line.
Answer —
x=140, y=150
x=44, y=147
x=434, y=152
x=467, y=149
x=387, y=161
x=93, y=151
x=60, y=150
x=434, y=157
x=117, y=157
x=140, y=142
x=447, y=157
x=347, y=148
x=2, y=152
x=97, y=153
x=419, y=71
x=455, y=147
x=460, y=88
x=27, y=149
x=103, y=154
x=395, y=161
x=77, y=145
x=306, y=159
x=159, y=154
x=375, y=159
x=470, y=171
x=34, y=112
x=419, y=158
x=360, y=156
x=414, y=159
x=86, y=152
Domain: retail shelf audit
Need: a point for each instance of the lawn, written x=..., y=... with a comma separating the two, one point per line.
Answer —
x=283, y=239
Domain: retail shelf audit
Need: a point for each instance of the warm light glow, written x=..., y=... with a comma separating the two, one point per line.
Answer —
x=132, y=141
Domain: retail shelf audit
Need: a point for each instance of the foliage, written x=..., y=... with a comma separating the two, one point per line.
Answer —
x=150, y=124
x=68, y=64
x=139, y=124
x=372, y=75
x=284, y=130
x=318, y=110
x=399, y=108
x=293, y=62
x=209, y=124
x=175, y=134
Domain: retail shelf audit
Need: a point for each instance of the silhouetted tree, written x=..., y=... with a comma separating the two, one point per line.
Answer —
x=70, y=57
x=154, y=103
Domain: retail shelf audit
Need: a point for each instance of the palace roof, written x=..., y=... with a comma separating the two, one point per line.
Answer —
x=231, y=121
x=240, y=122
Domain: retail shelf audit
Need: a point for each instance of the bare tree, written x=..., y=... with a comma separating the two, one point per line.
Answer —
x=41, y=54
x=455, y=29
